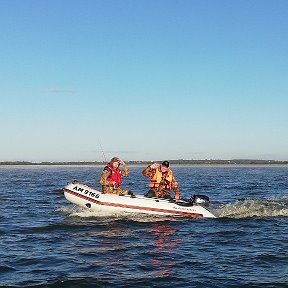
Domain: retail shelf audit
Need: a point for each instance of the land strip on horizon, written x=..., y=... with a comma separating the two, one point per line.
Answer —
x=175, y=162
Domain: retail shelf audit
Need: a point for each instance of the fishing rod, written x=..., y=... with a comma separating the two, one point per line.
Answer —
x=101, y=150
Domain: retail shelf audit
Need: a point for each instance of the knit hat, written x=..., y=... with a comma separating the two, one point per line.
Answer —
x=114, y=159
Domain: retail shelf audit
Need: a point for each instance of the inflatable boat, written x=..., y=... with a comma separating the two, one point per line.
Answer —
x=87, y=197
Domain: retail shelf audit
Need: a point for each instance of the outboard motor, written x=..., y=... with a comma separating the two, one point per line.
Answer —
x=201, y=200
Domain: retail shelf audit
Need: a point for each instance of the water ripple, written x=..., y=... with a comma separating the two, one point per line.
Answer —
x=47, y=242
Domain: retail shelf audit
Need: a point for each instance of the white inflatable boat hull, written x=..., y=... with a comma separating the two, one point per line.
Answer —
x=87, y=197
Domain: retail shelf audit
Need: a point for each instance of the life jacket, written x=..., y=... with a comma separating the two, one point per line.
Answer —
x=115, y=175
x=157, y=179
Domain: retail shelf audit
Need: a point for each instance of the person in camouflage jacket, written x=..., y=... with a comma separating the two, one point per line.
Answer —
x=162, y=181
x=111, y=178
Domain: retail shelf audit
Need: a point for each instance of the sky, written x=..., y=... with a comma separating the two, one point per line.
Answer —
x=86, y=80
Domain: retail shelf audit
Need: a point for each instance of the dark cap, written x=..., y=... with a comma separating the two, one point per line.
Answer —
x=165, y=163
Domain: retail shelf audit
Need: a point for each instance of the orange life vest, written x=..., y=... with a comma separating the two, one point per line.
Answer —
x=158, y=178
x=115, y=175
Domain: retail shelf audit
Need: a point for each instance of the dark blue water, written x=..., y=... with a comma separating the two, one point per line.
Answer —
x=45, y=241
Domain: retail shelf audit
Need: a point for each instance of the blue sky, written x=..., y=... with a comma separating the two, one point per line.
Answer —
x=143, y=79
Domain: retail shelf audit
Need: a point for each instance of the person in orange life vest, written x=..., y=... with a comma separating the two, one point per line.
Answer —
x=111, y=178
x=162, y=181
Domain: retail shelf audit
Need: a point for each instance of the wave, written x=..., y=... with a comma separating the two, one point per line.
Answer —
x=245, y=208
x=76, y=211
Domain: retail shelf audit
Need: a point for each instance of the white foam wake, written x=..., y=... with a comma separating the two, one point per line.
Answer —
x=75, y=211
x=255, y=208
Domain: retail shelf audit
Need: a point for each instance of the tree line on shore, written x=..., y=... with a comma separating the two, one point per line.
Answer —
x=175, y=162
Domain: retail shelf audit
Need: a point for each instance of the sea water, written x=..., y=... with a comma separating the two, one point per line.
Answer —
x=45, y=241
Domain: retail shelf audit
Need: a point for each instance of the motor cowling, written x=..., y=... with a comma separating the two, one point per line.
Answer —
x=201, y=200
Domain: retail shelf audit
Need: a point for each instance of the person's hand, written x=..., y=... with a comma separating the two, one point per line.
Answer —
x=176, y=197
x=155, y=166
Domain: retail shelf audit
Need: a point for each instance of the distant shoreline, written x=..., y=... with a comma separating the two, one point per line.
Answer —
x=172, y=162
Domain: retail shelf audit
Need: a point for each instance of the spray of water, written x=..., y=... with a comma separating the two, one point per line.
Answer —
x=255, y=208
x=76, y=211
x=244, y=208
